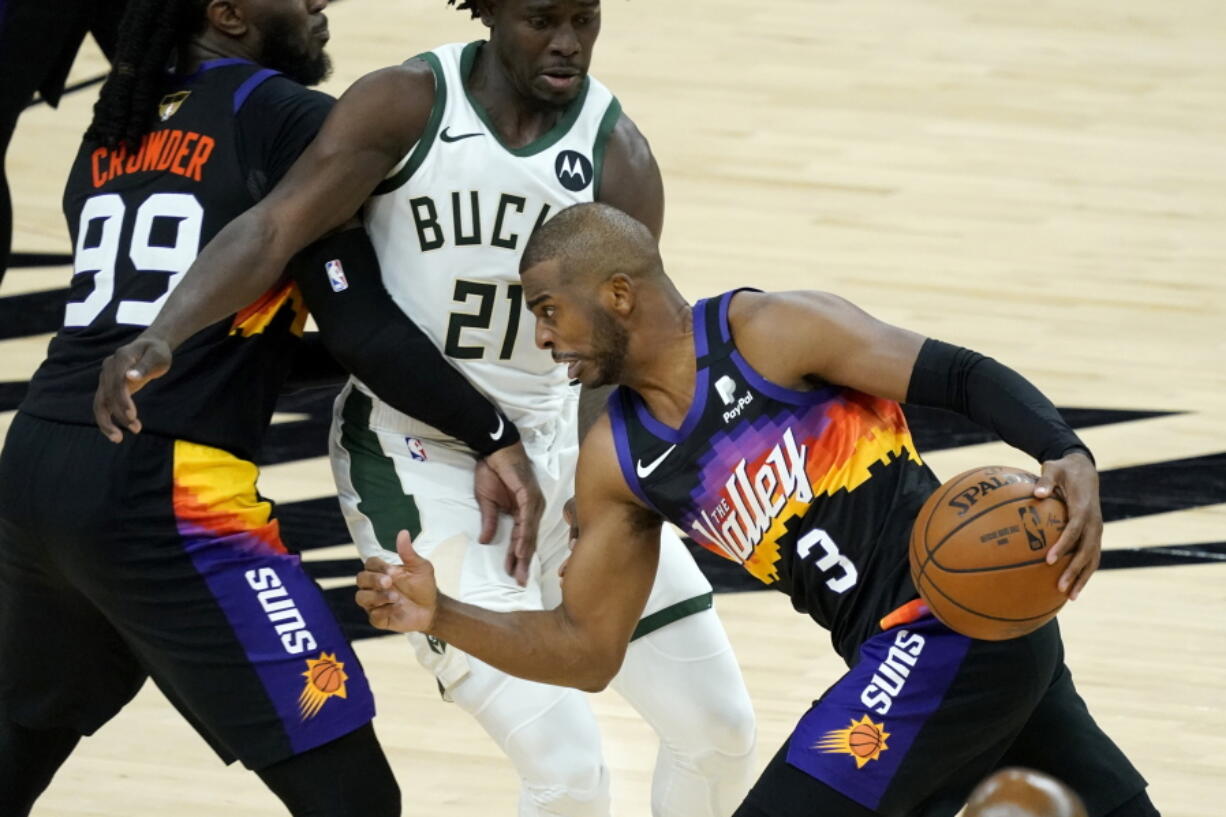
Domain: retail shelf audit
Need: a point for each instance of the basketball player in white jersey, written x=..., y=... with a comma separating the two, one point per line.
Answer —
x=466, y=149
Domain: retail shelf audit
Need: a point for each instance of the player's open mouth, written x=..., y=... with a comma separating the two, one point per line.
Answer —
x=572, y=369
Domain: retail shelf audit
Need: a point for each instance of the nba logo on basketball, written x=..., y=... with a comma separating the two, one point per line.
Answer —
x=336, y=276
x=416, y=449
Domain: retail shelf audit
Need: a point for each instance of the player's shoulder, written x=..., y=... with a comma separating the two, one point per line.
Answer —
x=598, y=453
x=411, y=80
x=398, y=97
x=599, y=474
x=753, y=309
x=280, y=87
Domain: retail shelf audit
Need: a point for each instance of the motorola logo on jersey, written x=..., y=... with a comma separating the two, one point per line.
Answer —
x=573, y=169
x=282, y=613
x=892, y=674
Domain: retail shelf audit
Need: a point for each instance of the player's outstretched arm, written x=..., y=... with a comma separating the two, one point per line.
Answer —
x=368, y=131
x=582, y=642
x=807, y=338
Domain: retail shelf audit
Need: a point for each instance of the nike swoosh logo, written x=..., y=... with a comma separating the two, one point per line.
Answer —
x=498, y=433
x=644, y=471
x=446, y=137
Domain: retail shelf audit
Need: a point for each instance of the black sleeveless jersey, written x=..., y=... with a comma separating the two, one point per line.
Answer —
x=138, y=217
x=812, y=492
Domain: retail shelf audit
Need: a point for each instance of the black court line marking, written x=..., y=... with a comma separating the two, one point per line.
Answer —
x=69, y=89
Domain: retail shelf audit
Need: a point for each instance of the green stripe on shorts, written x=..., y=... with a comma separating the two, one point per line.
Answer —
x=381, y=499
x=671, y=613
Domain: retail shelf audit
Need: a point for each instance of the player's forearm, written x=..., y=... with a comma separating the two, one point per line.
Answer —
x=377, y=342
x=538, y=645
x=240, y=264
x=992, y=395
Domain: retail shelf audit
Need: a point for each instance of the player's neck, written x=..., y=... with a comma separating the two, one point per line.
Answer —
x=519, y=119
x=208, y=47
x=661, y=365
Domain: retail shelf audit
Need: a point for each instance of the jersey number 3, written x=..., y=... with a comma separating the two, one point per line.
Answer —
x=99, y=234
x=830, y=560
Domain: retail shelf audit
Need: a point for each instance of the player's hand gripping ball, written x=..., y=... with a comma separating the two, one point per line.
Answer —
x=978, y=554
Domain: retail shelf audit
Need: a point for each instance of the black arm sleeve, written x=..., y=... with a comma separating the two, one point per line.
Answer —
x=371, y=337
x=993, y=395
x=314, y=366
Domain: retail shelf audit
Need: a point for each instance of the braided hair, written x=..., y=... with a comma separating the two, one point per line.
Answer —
x=466, y=5
x=151, y=33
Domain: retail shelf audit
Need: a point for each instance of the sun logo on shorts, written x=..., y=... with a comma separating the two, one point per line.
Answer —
x=862, y=739
x=325, y=678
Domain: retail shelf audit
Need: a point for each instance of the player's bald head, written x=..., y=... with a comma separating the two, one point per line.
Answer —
x=589, y=243
x=1023, y=793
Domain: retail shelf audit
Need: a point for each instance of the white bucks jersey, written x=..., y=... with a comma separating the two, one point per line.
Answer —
x=450, y=223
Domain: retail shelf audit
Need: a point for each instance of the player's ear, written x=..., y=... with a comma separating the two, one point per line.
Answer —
x=485, y=10
x=226, y=17
x=618, y=294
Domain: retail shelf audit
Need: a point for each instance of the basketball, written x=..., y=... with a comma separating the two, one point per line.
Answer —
x=978, y=554
x=326, y=677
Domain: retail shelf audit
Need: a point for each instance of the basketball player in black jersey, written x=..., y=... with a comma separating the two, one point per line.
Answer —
x=156, y=557
x=767, y=427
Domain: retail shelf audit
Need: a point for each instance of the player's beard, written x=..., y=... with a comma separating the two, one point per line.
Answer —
x=610, y=340
x=285, y=52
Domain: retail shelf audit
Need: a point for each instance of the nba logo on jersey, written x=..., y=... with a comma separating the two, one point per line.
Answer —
x=336, y=276
x=416, y=449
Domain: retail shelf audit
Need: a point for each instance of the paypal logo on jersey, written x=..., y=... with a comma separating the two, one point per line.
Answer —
x=573, y=169
x=726, y=388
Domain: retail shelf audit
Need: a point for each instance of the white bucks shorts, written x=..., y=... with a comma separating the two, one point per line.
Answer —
x=395, y=473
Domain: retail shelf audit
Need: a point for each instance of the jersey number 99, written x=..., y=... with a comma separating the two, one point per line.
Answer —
x=102, y=256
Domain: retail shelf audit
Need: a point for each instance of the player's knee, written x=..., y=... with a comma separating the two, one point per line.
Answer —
x=563, y=771
x=568, y=799
x=556, y=761
x=731, y=729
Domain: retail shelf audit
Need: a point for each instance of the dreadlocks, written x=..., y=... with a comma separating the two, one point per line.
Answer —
x=150, y=34
x=467, y=5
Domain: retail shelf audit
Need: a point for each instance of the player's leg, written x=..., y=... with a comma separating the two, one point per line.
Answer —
x=681, y=675
x=392, y=480
x=679, y=672
x=924, y=713
x=65, y=671
x=194, y=575
x=1088, y=761
x=347, y=776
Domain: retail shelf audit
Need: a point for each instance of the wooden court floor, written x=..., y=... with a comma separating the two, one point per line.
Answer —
x=1044, y=182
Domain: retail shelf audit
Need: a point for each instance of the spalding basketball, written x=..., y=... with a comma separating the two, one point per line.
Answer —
x=978, y=554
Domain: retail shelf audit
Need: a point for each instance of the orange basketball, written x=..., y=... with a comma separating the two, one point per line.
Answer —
x=864, y=740
x=978, y=554
x=326, y=677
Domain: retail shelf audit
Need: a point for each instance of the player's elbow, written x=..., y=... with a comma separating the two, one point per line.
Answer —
x=600, y=667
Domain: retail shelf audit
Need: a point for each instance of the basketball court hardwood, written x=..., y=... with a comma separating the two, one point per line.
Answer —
x=1043, y=182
